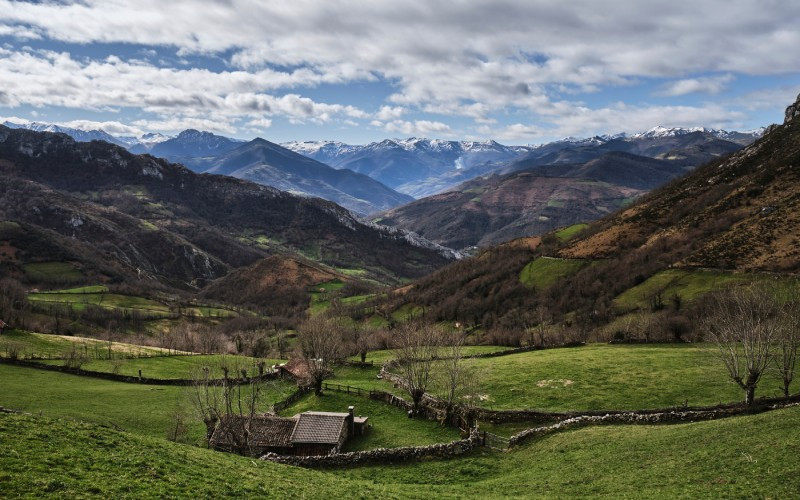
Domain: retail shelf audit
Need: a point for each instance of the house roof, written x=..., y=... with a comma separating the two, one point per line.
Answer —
x=319, y=427
x=264, y=431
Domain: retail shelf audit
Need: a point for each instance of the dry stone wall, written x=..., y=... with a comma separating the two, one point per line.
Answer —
x=381, y=455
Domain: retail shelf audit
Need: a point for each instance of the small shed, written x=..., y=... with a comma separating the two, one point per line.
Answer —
x=267, y=434
x=320, y=432
x=305, y=434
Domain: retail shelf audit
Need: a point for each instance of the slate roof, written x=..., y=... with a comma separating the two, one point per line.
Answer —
x=264, y=431
x=319, y=427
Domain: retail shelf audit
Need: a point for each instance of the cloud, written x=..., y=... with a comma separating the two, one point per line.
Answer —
x=515, y=59
x=417, y=128
x=505, y=50
x=112, y=127
x=390, y=112
x=260, y=123
x=706, y=85
x=49, y=78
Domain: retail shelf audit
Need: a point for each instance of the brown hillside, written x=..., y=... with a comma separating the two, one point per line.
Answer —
x=279, y=283
x=739, y=213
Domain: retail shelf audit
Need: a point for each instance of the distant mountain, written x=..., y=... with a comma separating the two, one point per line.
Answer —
x=555, y=185
x=192, y=144
x=487, y=211
x=421, y=167
x=739, y=213
x=144, y=143
x=417, y=167
x=119, y=216
x=267, y=163
x=77, y=134
x=689, y=148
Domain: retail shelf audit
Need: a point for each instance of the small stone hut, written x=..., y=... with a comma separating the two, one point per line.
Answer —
x=308, y=433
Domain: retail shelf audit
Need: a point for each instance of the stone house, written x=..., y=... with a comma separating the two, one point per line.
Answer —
x=306, y=434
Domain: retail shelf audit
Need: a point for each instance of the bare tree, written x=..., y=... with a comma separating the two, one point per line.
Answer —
x=228, y=398
x=362, y=339
x=13, y=303
x=788, y=341
x=417, y=347
x=543, y=317
x=320, y=345
x=454, y=379
x=743, y=324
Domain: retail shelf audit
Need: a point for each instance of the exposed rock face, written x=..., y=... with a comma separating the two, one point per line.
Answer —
x=793, y=110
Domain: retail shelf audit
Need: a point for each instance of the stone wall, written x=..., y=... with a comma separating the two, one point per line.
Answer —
x=381, y=455
x=648, y=418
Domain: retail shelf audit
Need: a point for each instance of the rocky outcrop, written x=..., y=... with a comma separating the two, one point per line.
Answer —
x=793, y=110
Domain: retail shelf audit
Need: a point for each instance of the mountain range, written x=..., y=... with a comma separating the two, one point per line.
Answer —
x=267, y=163
x=104, y=212
x=734, y=218
x=422, y=167
x=557, y=184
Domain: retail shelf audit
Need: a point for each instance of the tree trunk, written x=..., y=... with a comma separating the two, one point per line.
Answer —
x=416, y=398
x=318, y=387
x=211, y=424
x=786, y=383
x=750, y=395
x=363, y=357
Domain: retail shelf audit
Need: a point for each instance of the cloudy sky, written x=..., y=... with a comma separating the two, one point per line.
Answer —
x=524, y=71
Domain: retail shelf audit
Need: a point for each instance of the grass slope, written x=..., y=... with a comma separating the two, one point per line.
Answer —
x=44, y=458
x=545, y=271
x=611, y=377
x=741, y=457
x=391, y=427
x=44, y=345
x=168, y=367
x=142, y=409
x=689, y=284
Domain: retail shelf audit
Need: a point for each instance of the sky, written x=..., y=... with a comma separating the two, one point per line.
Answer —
x=519, y=72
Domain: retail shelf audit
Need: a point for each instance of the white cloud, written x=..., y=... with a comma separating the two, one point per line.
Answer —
x=706, y=85
x=422, y=128
x=260, y=123
x=480, y=60
x=390, y=112
x=47, y=78
x=112, y=127
x=490, y=52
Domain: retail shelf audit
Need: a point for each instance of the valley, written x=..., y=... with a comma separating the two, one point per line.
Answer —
x=188, y=314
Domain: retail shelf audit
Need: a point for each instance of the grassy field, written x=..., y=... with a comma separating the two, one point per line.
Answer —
x=601, y=376
x=58, y=272
x=322, y=294
x=45, y=345
x=170, y=367
x=569, y=232
x=384, y=355
x=545, y=271
x=142, y=409
x=98, y=295
x=391, y=427
x=45, y=458
x=741, y=457
x=690, y=284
